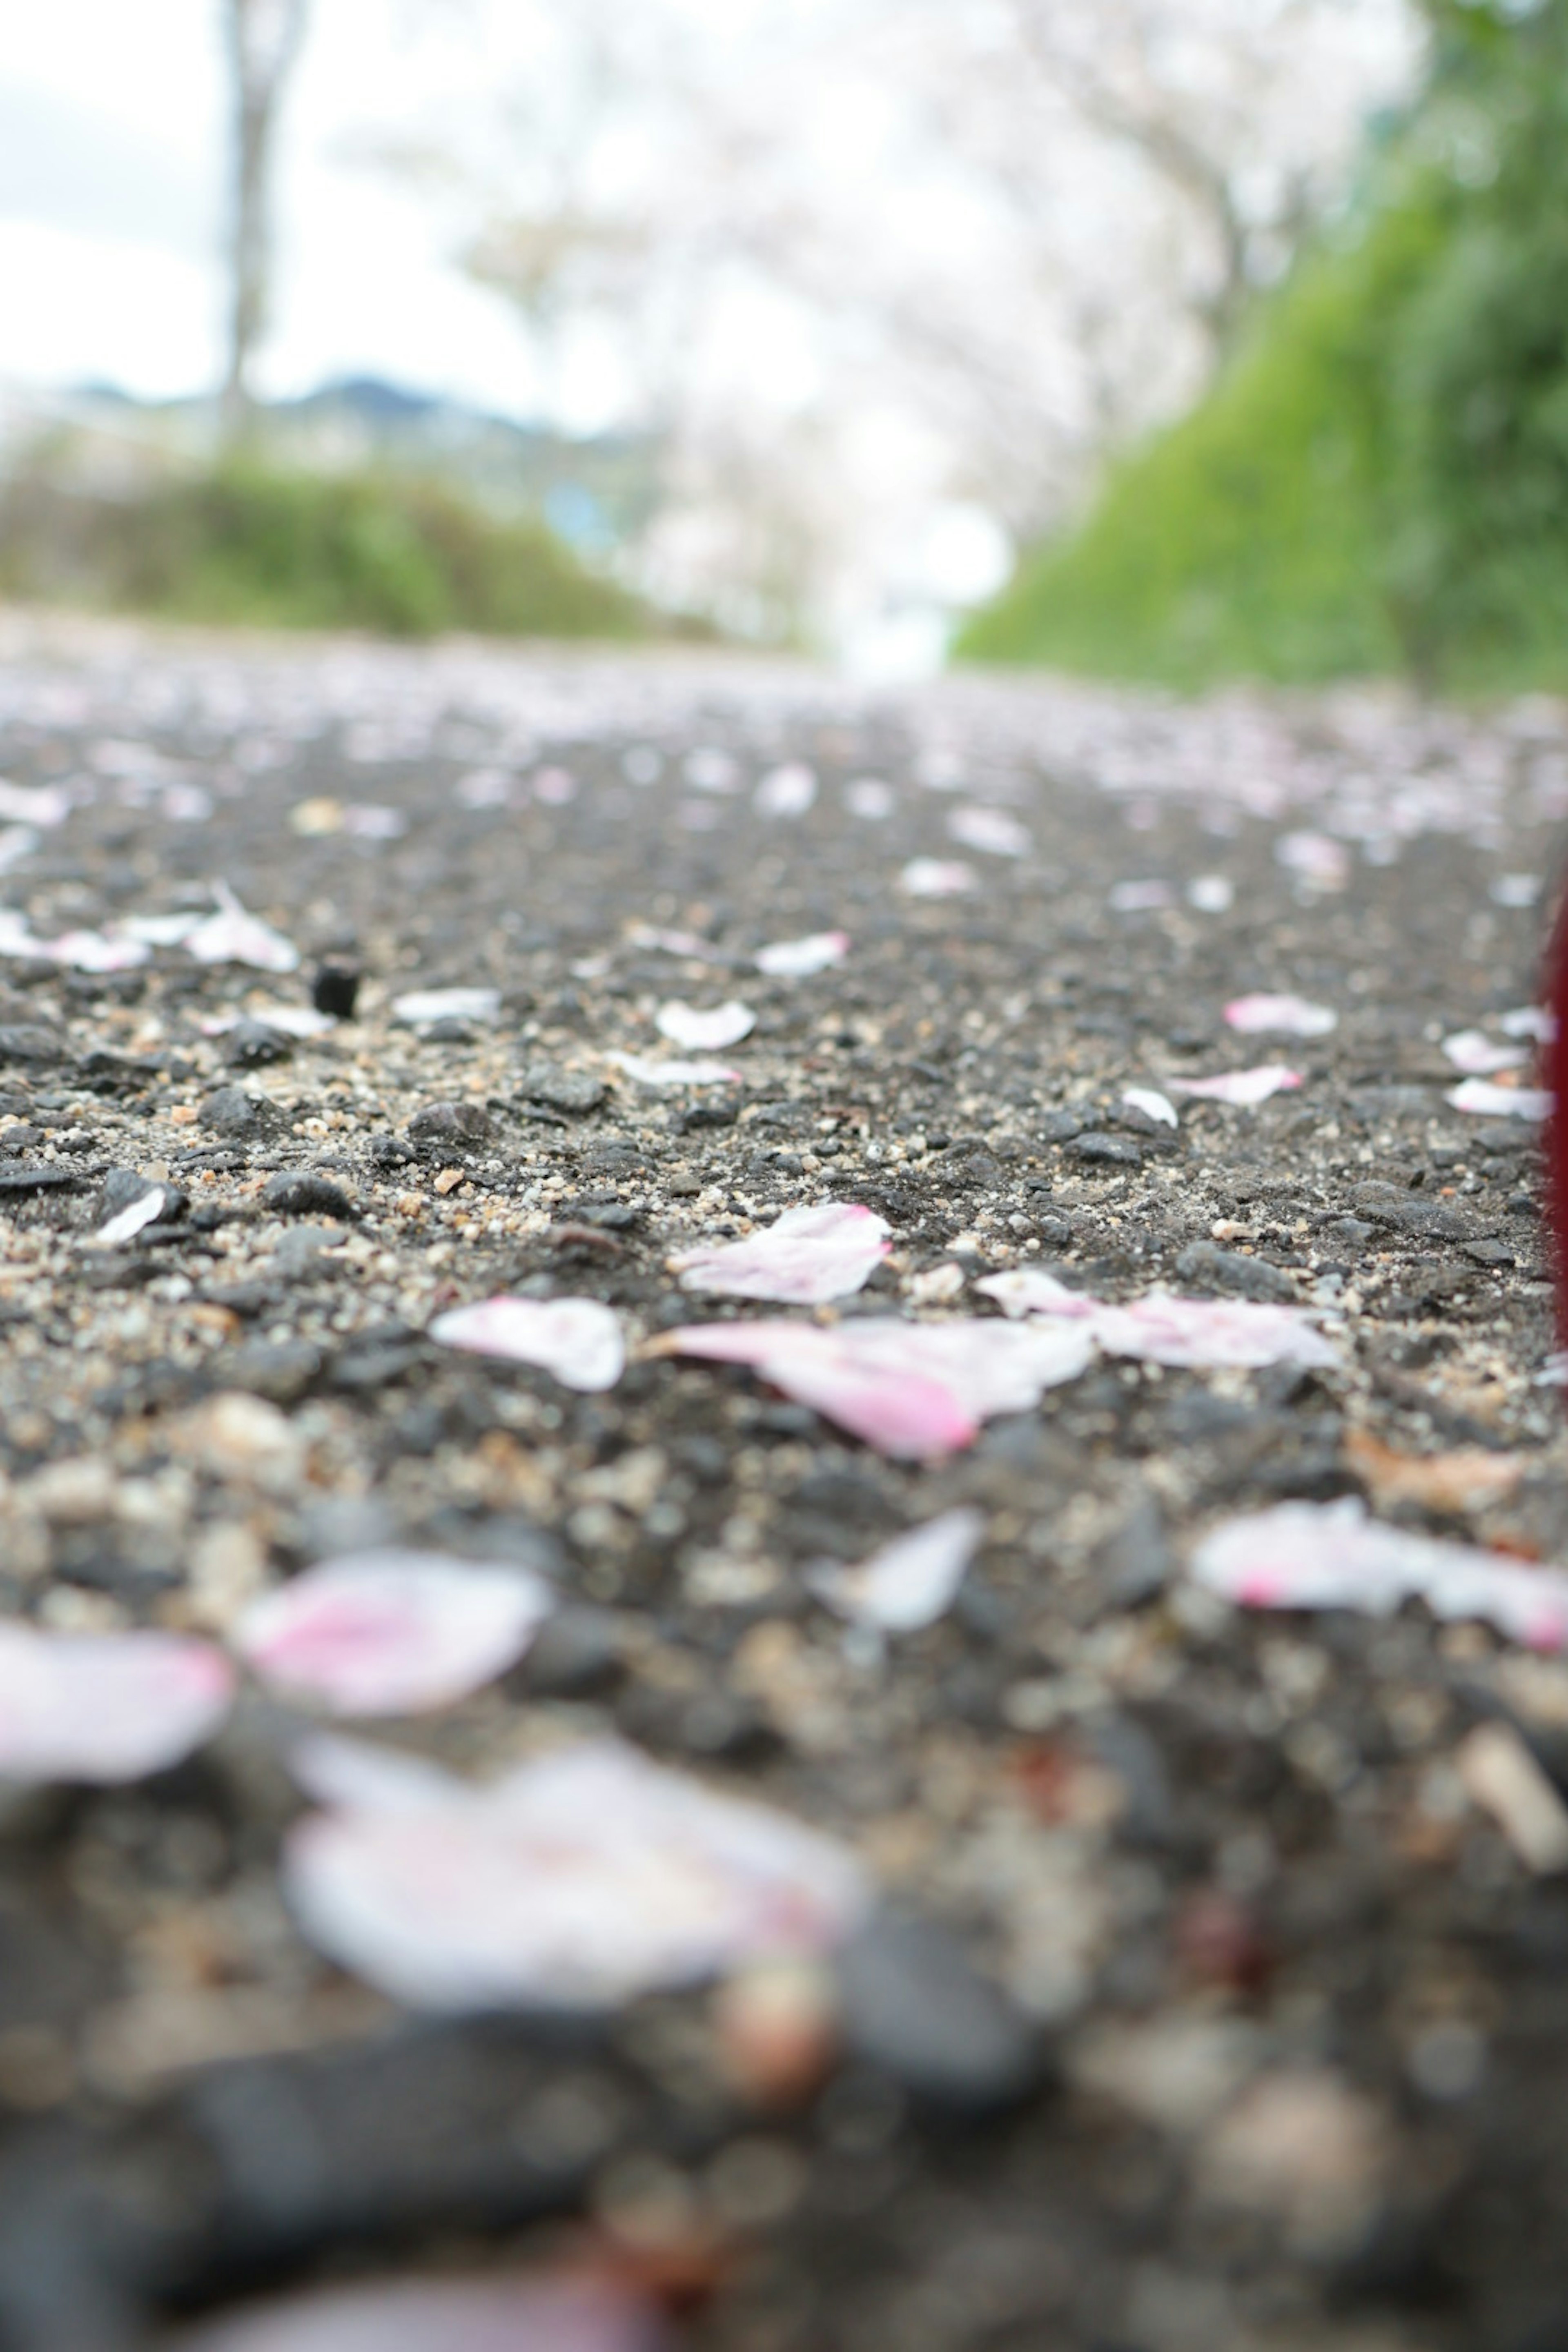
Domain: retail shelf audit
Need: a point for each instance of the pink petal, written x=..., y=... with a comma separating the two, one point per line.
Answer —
x=1484, y=1100
x=392, y=1632
x=799, y=959
x=936, y=877
x=908, y=1583
x=700, y=1032
x=105, y=1707
x=1284, y=1016
x=577, y=1339
x=808, y=1256
x=492, y=2315
x=1475, y=1054
x=582, y=1880
x=1201, y=1334
x=1243, y=1088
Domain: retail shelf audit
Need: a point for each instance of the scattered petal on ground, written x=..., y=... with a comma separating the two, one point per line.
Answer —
x=936, y=877
x=392, y=1632
x=1280, y=1017
x=1212, y=894
x=1316, y=859
x=1482, y=1099
x=675, y=1074
x=427, y=1005
x=1197, y=1334
x=913, y=1390
x=799, y=959
x=1477, y=1055
x=1516, y=890
x=45, y=805
x=445, y=2315
x=1528, y=1021
x=706, y=1030
x=993, y=831
x=132, y=1219
x=804, y=1258
x=288, y=1019
x=579, y=1881
x=1139, y=898
x=577, y=1339
x=1243, y=1089
x=787, y=792
x=232, y=936
x=910, y=1583
x=689, y=945
x=869, y=799
x=1332, y=1556
x=1152, y=1104
x=107, y=1707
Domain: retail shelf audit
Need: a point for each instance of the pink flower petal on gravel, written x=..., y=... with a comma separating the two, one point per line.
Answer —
x=806, y=1258
x=577, y=1339
x=1192, y=1334
x=908, y=1583
x=1332, y=1556
x=231, y=936
x=1243, y=1089
x=579, y=1881
x=799, y=959
x=1477, y=1055
x=106, y=1707
x=392, y=1632
x=441, y=2316
x=1281, y=1016
x=1482, y=1099
x=700, y=1032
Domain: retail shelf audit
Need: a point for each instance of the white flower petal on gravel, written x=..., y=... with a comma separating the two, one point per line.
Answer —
x=1333, y=1556
x=162, y=930
x=704, y=1032
x=1193, y=1334
x=1243, y=1089
x=232, y=936
x=1152, y=1104
x=937, y=877
x=908, y=1583
x=869, y=799
x=44, y=805
x=995, y=832
x=1530, y=1021
x=1516, y=890
x=1212, y=894
x=577, y=1339
x=289, y=1020
x=579, y=1881
x=423, y=1005
x=392, y=1632
x=800, y=959
x=1482, y=1099
x=107, y=1707
x=912, y=1390
x=1280, y=1017
x=96, y=952
x=806, y=1258
x=1139, y=898
x=490, y=2315
x=1315, y=859
x=675, y=1074
x=140, y=1213
x=788, y=790
x=1475, y=1053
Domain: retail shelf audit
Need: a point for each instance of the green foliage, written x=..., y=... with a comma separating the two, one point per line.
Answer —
x=1380, y=479
x=254, y=545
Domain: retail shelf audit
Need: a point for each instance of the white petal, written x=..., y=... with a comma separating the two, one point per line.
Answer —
x=425, y=1005
x=910, y=1583
x=936, y=877
x=806, y=1258
x=1475, y=1053
x=799, y=959
x=105, y=1707
x=1152, y=1104
x=789, y=790
x=144, y=1212
x=490, y=2314
x=705, y=1031
x=1284, y=1016
x=392, y=1632
x=993, y=831
x=1243, y=1089
x=232, y=936
x=1139, y=898
x=1530, y=1021
x=675, y=1074
x=1481, y=1099
x=577, y=1339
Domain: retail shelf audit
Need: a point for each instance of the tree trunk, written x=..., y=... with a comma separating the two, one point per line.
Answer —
x=263, y=40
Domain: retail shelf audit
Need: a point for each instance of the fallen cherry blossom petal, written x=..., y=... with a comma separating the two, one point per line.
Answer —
x=1139, y=898
x=1316, y=859
x=869, y=799
x=702, y=1031
x=1191, y=1333
x=789, y=790
x=1516, y=890
x=392, y=1632
x=1212, y=894
x=162, y=930
x=576, y=1339
x=675, y=1074
x=492, y=2315
x=799, y=959
x=806, y=1258
x=44, y=805
x=133, y=1219
x=288, y=1019
x=1530, y=1021
x=1482, y=1099
x=106, y=1708
x=427, y=1005
x=1332, y=1556
x=993, y=831
x=232, y=936
x=579, y=1881
x=1243, y=1089
x=908, y=1583
x=1475, y=1054
x=1281, y=1016
x=913, y=1390
x=689, y=945
x=936, y=877
x=1152, y=1104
